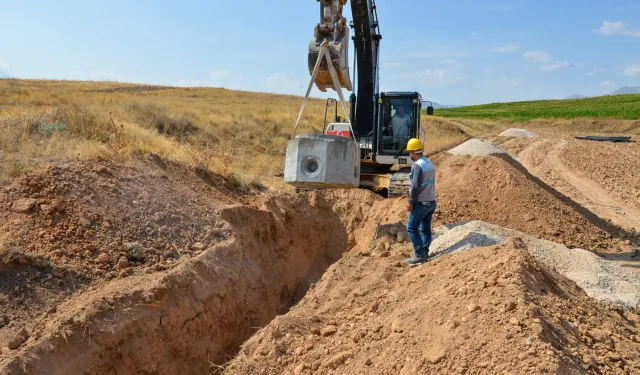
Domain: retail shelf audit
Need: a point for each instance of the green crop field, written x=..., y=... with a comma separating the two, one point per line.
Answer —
x=621, y=107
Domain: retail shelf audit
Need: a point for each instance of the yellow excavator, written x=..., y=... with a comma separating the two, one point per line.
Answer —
x=382, y=122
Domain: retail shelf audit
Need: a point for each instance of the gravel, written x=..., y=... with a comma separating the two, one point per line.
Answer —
x=477, y=147
x=518, y=133
x=602, y=280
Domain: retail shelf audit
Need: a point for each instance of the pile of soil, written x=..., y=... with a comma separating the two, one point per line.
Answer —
x=483, y=311
x=80, y=225
x=500, y=191
x=613, y=166
x=107, y=267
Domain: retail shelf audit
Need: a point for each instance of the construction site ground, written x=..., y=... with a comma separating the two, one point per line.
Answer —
x=155, y=267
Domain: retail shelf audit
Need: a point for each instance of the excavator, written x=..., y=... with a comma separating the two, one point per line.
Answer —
x=382, y=122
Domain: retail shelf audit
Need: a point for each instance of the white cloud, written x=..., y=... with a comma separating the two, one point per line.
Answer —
x=632, y=71
x=555, y=66
x=537, y=56
x=506, y=49
x=283, y=84
x=609, y=28
x=488, y=70
x=605, y=83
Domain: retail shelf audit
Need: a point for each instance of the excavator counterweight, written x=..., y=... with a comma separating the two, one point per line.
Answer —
x=334, y=30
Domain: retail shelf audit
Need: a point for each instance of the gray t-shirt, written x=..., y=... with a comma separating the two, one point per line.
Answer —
x=400, y=125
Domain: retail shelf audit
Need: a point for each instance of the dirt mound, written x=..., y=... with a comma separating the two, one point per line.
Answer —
x=483, y=311
x=215, y=264
x=477, y=147
x=602, y=280
x=500, y=191
x=518, y=133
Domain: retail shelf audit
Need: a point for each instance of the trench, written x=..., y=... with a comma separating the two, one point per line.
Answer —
x=193, y=319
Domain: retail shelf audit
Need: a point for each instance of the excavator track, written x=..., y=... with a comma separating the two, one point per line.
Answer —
x=399, y=184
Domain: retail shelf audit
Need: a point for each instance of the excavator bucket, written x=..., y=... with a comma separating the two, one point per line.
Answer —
x=333, y=29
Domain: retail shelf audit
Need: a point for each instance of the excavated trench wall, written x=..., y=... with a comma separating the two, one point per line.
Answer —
x=196, y=316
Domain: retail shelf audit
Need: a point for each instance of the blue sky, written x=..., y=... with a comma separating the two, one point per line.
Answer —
x=459, y=52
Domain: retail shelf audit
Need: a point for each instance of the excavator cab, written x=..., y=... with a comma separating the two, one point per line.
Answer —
x=398, y=121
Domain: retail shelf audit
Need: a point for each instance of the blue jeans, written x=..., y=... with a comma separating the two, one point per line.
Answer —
x=419, y=227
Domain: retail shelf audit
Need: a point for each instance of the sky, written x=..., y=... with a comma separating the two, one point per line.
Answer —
x=458, y=53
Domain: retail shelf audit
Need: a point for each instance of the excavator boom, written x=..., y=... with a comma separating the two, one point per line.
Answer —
x=333, y=29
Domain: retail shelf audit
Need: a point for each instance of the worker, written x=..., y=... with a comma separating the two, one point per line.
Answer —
x=422, y=202
x=400, y=122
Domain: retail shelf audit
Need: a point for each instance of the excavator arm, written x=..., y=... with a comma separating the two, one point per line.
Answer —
x=333, y=29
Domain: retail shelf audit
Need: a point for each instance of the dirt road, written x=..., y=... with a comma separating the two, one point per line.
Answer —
x=547, y=154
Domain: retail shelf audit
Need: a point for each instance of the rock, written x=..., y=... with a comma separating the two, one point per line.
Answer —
x=58, y=272
x=452, y=324
x=393, y=231
x=198, y=246
x=123, y=263
x=401, y=237
x=510, y=306
x=276, y=334
x=473, y=307
x=102, y=259
x=368, y=362
x=90, y=247
x=18, y=340
x=299, y=369
x=24, y=205
x=435, y=354
x=47, y=209
x=514, y=321
x=52, y=310
x=384, y=254
x=338, y=360
x=598, y=335
x=58, y=205
x=397, y=326
x=328, y=331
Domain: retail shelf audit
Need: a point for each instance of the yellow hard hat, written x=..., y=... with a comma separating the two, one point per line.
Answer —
x=414, y=145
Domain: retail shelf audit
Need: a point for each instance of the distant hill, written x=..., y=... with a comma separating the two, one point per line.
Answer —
x=627, y=90
x=623, y=107
x=575, y=96
x=438, y=105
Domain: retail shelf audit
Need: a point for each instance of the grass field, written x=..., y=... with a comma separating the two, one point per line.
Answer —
x=622, y=107
x=234, y=133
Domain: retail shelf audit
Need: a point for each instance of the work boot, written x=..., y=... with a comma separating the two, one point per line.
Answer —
x=418, y=258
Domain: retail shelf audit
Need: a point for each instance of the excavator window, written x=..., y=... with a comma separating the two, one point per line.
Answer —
x=398, y=125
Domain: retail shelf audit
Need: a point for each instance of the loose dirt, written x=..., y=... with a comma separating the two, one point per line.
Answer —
x=501, y=191
x=483, y=311
x=155, y=267
x=518, y=133
x=597, y=178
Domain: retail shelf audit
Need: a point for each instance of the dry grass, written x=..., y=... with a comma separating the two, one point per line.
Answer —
x=241, y=134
